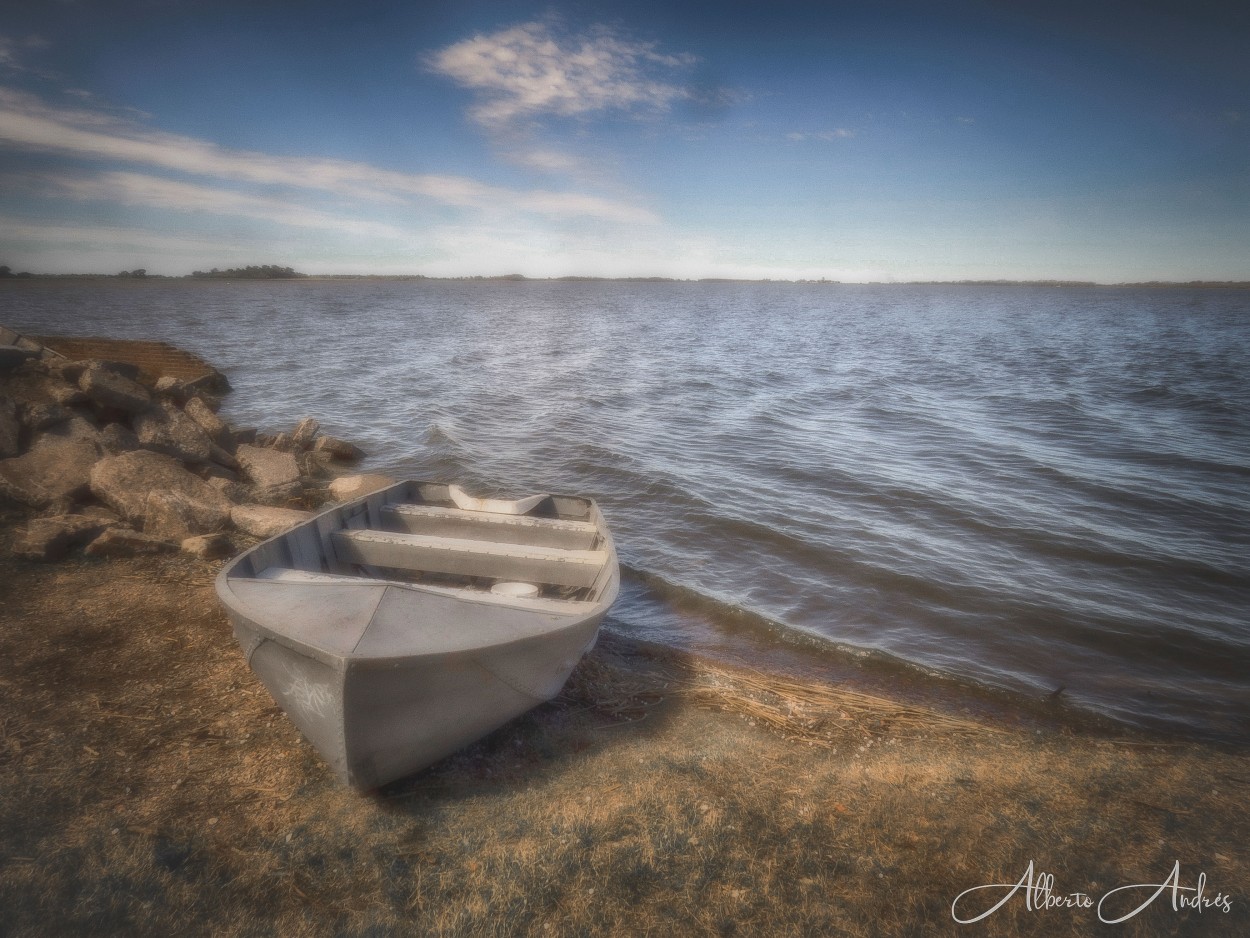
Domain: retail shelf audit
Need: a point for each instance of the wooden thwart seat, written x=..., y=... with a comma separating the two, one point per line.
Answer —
x=505, y=529
x=467, y=557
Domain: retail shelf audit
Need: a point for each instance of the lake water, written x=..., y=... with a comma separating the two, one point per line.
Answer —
x=1022, y=487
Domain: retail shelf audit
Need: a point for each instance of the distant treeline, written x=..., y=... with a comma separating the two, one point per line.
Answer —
x=262, y=272
x=274, y=272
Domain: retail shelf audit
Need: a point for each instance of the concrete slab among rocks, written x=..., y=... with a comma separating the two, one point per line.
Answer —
x=266, y=467
x=348, y=487
x=261, y=521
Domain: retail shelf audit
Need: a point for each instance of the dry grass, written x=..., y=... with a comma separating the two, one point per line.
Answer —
x=148, y=785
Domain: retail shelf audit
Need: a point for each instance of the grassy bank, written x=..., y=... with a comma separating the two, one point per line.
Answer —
x=148, y=785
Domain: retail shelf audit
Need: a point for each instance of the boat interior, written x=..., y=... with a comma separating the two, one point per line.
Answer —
x=540, y=550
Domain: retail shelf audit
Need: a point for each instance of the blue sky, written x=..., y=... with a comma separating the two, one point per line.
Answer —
x=865, y=141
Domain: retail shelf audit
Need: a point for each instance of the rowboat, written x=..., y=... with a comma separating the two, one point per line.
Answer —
x=397, y=628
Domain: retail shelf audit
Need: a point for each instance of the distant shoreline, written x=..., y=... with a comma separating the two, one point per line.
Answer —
x=520, y=278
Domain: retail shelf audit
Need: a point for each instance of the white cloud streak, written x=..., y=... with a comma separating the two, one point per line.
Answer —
x=27, y=122
x=528, y=71
x=156, y=192
x=104, y=237
x=840, y=133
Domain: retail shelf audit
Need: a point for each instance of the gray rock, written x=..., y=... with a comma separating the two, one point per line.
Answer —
x=10, y=429
x=315, y=465
x=261, y=521
x=68, y=371
x=108, y=387
x=243, y=435
x=208, y=546
x=284, y=495
x=305, y=432
x=122, y=369
x=13, y=356
x=117, y=438
x=209, y=422
x=283, y=442
x=31, y=384
x=338, y=449
x=223, y=458
x=124, y=483
x=165, y=429
x=47, y=539
x=214, y=471
x=228, y=487
x=176, y=516
x=68, y=395
x=202, y=389
x=349, y=487
x=101, y=513
x=76, y=428
x=173, y=388
x=52, y=471
x=40, y=416
x=123, y=542
x=267, y=467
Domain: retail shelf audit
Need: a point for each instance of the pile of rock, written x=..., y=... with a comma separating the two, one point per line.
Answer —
x=106, y=460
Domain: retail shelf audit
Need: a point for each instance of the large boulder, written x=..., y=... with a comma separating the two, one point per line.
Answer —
x=173, y=388
x=124, y=483
x=209, y=422
x=176, y=516
x=33, y=384
x=44, y=414
x=267, y=468
x=304, y=433
x=76, y=427
x=110, y=387
x=117, y=438
x=260, y=521
x=68, y=371
x=54, y=470
x=10, y=429
x=349, y=487
x=165, y=429
x=337, y=449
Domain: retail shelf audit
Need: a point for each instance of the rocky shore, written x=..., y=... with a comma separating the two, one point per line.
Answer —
x=105, y=460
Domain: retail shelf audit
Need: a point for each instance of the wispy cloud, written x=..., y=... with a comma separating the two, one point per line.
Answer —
x=531, y=71
x=840, y=133
x=138, y=189
x=107, y=237
x=545, y=160
x=28, y=122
